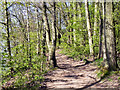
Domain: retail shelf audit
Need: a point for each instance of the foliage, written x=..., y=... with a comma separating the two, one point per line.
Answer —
x=25, y=67
x=25, y=73
x=102, y=71
x=77, y=53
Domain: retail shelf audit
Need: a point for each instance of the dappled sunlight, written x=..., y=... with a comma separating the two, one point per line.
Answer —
x=74, y=74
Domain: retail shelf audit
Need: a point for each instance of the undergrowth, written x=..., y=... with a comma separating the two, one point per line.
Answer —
x=25, y=75
x=103, y=72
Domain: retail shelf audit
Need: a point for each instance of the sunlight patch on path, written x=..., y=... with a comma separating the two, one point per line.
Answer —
x=73, y=74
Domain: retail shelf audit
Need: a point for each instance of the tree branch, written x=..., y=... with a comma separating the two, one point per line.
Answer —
x=3, y=23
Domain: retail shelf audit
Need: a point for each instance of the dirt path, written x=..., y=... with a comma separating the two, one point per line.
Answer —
x=75, y=74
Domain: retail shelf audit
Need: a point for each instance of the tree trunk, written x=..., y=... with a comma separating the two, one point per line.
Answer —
x=38, y=32
x=109, y=38
x=8, y=32
x=43, y=49
x=46, y=27
x=54, y=37
x=8, y=37
x=28, y=37
x=74, y=19
x=51, y=44
x=105, y=58
x=95, y=18
x=115, y=34
x=89, y=30
x=59, y=36
x=100, y=32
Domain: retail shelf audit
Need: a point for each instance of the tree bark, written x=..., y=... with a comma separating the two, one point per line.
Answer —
x=100, y=31
x=8, y=31
x=74, y=18
x=7, y=20
x=89, y=29
x=28, y=36
x=109, y=38
x=59, y=35
x=43, y=49
x=105, y=58
x=50, y=43
x=95, y=18
x=54, y=36
x=110, y=34
x=38, y=31
x=114, y=28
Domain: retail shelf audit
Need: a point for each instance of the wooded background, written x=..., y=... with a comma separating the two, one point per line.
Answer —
x=31, y=32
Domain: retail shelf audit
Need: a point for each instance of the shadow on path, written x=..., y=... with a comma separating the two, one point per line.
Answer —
x=66, y=66
x=87, y=86
x=75, y=75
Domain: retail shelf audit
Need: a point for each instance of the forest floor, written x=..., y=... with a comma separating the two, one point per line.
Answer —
x=76, y=75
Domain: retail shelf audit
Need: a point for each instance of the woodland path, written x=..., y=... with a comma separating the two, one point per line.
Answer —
x=75, y=74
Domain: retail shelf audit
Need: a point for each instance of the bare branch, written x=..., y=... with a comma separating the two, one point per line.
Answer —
x=3, y=23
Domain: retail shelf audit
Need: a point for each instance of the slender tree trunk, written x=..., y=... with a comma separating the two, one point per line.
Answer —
x=47, y=29
x=95, y=18
x=95, y=25
x=114, y=35
x=74, y=18
x=59, y=36
x=89, y=30
x=43, y=49
x=28, y=37
x=54, y=37
x=71, y=23
x=8, y=37
x=46, y=25
x=69, y=29
x=38, y=32
x=100, y=32
x=8, y=31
